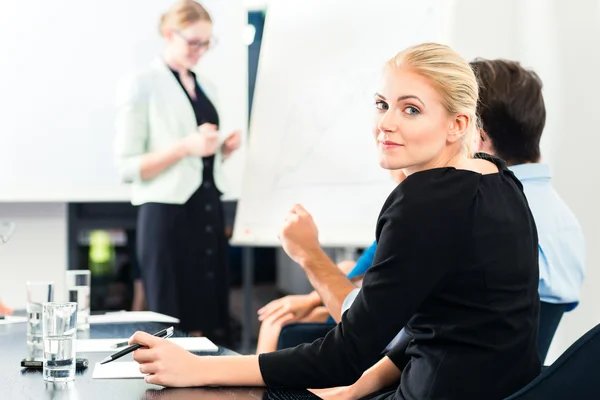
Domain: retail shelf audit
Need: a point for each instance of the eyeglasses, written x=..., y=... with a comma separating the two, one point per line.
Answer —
x=198, y=44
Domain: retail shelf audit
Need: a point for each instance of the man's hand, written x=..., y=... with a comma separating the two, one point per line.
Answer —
x=299, y=235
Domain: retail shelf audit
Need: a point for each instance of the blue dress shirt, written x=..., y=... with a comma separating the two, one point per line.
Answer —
x=561, y=242
x=364, y=262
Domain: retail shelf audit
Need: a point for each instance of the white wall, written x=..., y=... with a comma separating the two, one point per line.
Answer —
x=573, y=154
x=37, y=250
x=58, y=101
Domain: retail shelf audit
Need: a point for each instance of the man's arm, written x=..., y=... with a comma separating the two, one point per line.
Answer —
x=329, y=282
x=345, y=267
x=300, y=241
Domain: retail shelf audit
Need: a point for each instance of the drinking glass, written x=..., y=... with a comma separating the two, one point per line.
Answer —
x=78, y=291
x=59, y=332
x=38, y=293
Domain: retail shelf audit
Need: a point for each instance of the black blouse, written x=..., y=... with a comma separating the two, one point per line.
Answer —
x=205, y=112
x=457, y=265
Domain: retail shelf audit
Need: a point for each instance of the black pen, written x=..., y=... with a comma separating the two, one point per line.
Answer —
x=165, y=333
x=116, y=346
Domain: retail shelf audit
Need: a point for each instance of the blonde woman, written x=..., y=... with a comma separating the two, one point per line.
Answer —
x=456, y=265
x=168, y=147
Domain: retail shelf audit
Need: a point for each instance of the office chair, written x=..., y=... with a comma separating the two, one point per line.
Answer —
x=574, y=375
x=297, y=333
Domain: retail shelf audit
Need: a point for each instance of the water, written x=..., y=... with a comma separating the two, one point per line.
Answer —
x=34, y=326
x=81, y=296
x=59, y=358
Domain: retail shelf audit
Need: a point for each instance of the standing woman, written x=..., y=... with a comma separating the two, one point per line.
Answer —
x=168, y=147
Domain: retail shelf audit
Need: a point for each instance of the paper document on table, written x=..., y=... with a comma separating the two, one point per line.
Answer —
x=117, y=370
x=9, y=319
x=131, y=316
x=108, y=345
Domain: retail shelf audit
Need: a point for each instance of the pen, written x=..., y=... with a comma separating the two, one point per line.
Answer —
x=165, y=333
x=116, y=346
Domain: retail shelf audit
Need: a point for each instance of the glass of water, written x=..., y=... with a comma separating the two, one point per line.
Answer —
x=78, y=290
x=59, y=332
x=38, y=293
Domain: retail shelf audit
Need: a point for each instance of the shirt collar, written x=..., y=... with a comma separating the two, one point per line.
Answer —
x=531, y=171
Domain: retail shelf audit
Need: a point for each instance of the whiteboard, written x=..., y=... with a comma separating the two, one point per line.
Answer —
x=61, y=61
x=311, y=138
x=310, y=131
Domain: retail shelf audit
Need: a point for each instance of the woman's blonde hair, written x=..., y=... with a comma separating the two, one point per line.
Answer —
x=182, y=14
x=451, y=76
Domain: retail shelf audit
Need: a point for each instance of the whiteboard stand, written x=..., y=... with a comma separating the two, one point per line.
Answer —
x=344, y=253
x=248, y=283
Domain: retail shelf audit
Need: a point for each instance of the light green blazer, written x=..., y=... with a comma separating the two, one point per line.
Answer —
x=153, y=113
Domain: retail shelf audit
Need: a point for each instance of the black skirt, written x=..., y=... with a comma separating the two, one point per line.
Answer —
x=182, y=251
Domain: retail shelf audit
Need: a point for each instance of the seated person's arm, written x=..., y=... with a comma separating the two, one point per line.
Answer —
x=298, y=305
x=346, y=267
x=397, y=283
x=380, y=376
x=4, y=310
x=333, y=289
x=356, y=277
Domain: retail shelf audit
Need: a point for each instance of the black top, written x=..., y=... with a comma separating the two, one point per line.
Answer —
x=457, y=264
x=205, y=112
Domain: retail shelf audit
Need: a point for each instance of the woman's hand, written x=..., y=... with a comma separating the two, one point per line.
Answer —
x=299, y=305
x=337, y=393
x=319, y=314
x=379, y=376
x=232, y=143
x=269, y=332
x=165, y=363
x=203, y=143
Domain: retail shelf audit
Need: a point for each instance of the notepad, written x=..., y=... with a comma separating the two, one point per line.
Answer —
x=10, y=319
x=118, y=370
x=107, y=345
x=131, y=316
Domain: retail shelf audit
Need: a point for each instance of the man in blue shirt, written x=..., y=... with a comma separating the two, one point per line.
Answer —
x=513, y=116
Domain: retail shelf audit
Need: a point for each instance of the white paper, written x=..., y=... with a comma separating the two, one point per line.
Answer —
x=107, y=345
x=131, y=316
x=9, y=319
x=117, y=370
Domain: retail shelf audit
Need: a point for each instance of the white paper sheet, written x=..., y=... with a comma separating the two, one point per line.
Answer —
x=117, y=370
x=131, y=316
x=107, y=345
x=9, y=319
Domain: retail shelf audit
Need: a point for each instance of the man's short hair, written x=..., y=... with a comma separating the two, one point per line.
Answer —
x=511, y=108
